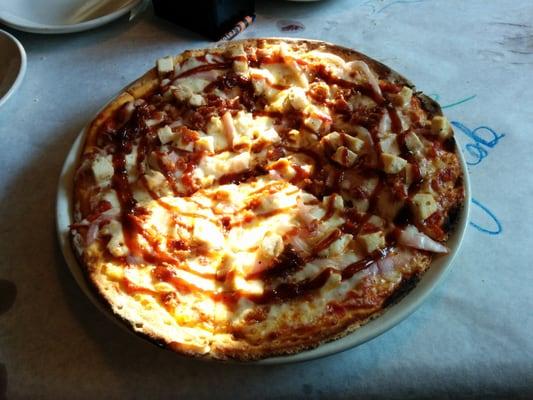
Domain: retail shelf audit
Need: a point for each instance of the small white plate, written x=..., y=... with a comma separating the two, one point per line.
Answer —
x=12, y=65
x=63, y=16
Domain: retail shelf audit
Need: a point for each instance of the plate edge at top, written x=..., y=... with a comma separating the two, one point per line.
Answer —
x=34, y=27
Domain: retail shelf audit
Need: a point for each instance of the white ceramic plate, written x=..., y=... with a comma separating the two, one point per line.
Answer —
x=12, y=65
x=393, y=315
x=62, y=16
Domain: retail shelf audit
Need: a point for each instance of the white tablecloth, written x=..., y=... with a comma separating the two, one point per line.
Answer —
x=472, y=338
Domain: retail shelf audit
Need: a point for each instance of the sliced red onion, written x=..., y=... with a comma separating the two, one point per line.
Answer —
x=363, y=67
x=173, y=157
x=213, y=59
x=300, y=246
x=134, y=260
x=384, y=124
x=386, y=264
x=92, y=234
x=412, y=237
x=304, y=212
x=94, y=226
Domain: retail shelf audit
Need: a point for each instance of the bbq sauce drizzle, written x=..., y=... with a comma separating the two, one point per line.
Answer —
x=136, y=130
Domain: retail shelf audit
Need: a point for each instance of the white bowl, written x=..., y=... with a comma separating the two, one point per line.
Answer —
x=12, y=65
x=62, y=16
x=393, y=315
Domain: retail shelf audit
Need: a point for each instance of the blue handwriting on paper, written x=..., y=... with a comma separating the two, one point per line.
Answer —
x=497, y=226
x=375, y=9
x=456, y=103
x=483, y=137
x=478, y=151
x=436, y=97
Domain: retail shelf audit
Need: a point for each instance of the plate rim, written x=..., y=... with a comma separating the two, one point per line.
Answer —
x=36, y=27
x=22, y=68
x=439, y=268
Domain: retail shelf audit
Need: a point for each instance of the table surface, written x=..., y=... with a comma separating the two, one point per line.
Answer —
x=471, y=338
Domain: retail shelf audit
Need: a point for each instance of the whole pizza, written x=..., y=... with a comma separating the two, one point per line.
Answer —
x=263, y=197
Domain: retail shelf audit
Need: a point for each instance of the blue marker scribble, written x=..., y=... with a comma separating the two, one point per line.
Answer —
x=436, y=97
x=460, y=102
x=482, y=136
x=497, y=229
x=375, y=10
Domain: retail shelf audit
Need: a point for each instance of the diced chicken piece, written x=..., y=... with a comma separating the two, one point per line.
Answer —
x=338, y=201
x=372, y=241
x=240, y=62
x=411, y=173
x=392, y=164
x=240, y=67
x=215, y=129
x=272, y=245
x=376, y=221
x=166, y=134
x=165, y=65
x=385, y=125
x=424, y=205
x=336, y=139
x=113, y=272
x=112, y=197
x=288, y=58
x=205, y=231
x=294, y=137
x=285, y=167
x=403, y=98
x=261, y=78
x=197, y=100
x=314, y=123
x=332, y=140
x=389, y=144
x=103, y=170
x=413, y=143
x=206, y=143
x=353, y=143
x=186, y=138
x=338, y=247
x=270, y=135
x=344, y=156
x=441, y=127
x=116, y=244
x=298, y=99
x=157, y=182
x=158, y=118
x=223, y=164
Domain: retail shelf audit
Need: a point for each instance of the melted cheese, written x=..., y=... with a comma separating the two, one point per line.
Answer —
x=103, y=170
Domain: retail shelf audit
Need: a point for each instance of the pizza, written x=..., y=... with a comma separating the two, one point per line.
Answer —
x=263, y=197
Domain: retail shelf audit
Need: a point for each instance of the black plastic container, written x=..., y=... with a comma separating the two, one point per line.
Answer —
x=211, y=18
